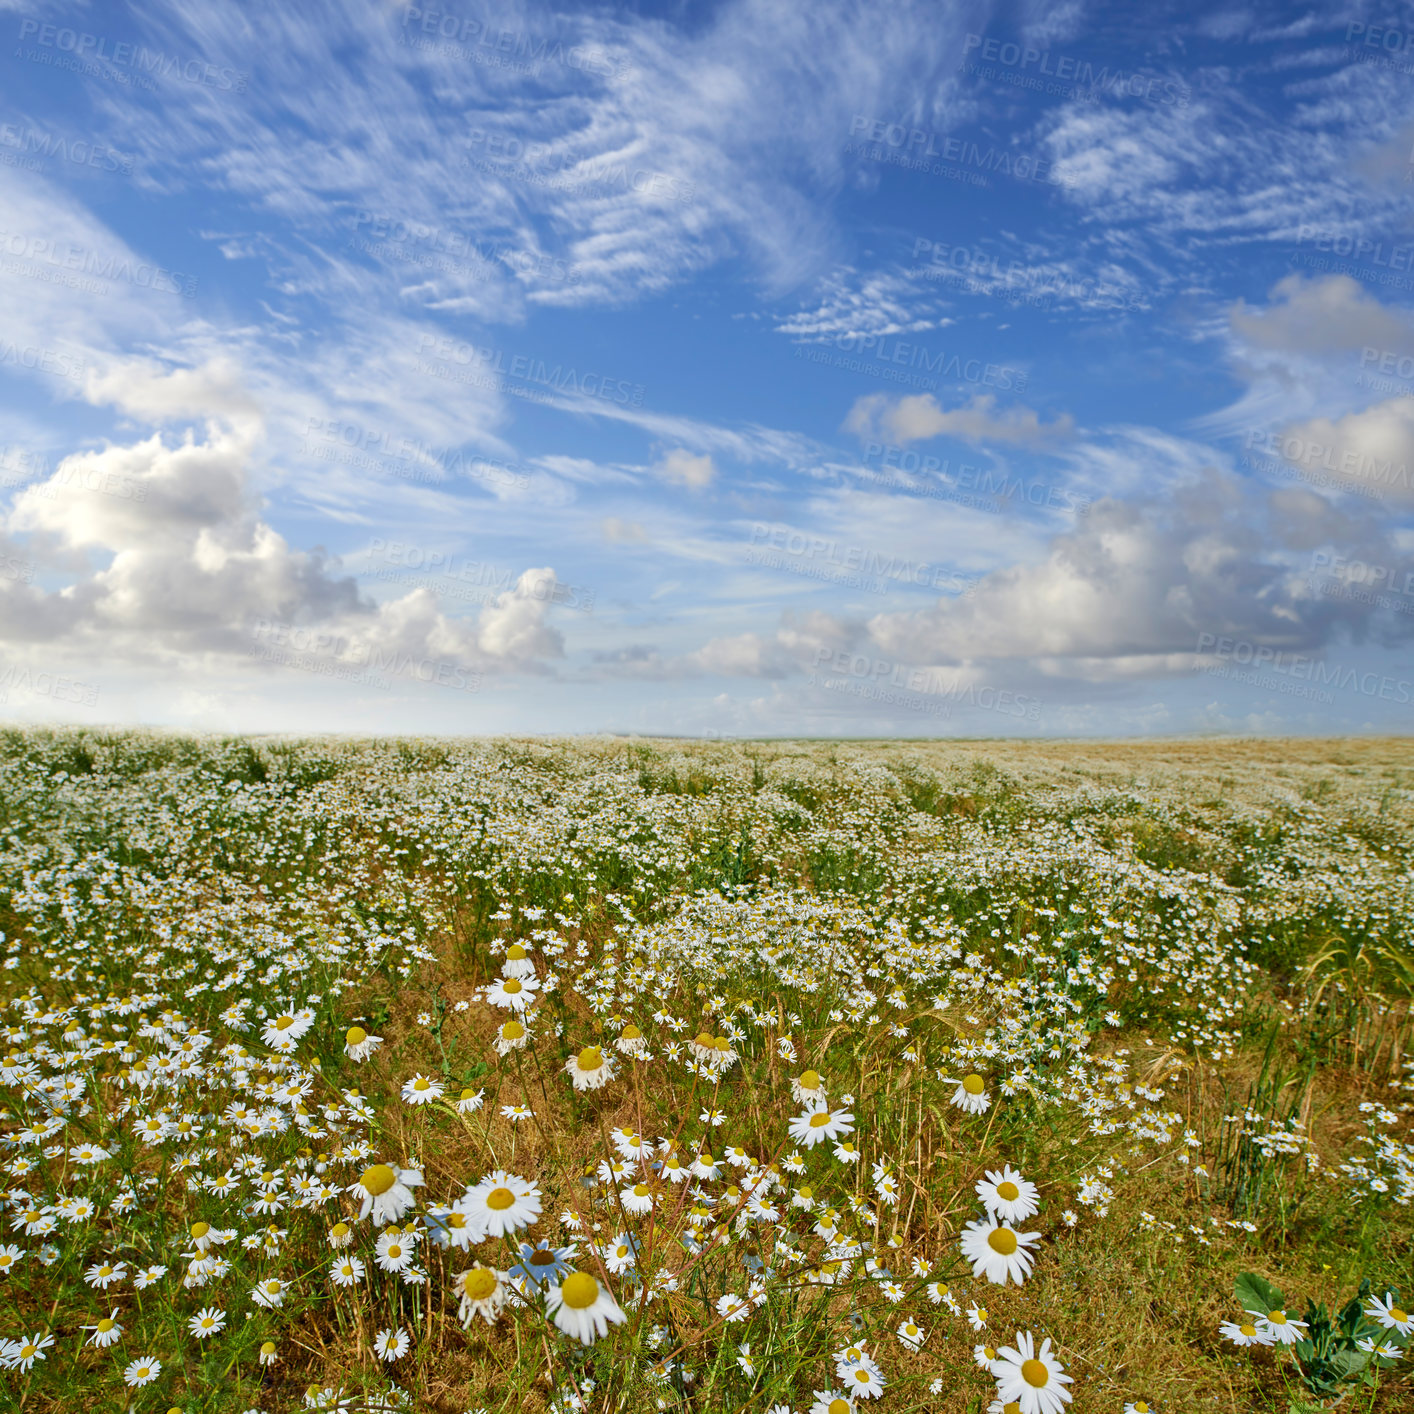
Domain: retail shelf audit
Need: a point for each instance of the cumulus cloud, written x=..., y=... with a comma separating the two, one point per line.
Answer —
x=1318, y=316
x=917, y=417
x=1373, y=449
x=168, y=555
x=683, y=469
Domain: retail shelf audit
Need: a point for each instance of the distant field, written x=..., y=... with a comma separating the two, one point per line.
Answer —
x=616, y=1075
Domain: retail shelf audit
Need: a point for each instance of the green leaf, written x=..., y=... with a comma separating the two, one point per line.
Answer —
x=1255, y=1293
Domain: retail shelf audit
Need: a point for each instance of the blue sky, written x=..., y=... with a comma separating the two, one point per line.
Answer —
x=748, y=368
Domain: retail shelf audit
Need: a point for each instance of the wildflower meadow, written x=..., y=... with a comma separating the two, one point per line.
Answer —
x=616, y=1075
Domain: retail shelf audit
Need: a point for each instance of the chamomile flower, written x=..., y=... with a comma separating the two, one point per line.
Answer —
x=998, y=1252
x=590, y=1069
x=281, y=1032
x=142, y=1372
x=829, y=1401
x=637, y=1198
x=102, y=1275
x=583, y=1307
x=971, y=1094
x=359, y=1044
x=386, y=1192
x=632, y=1042
x=482, y=1292
x=1138, y=1406
x=1283, y=1329
x=1007, y=1196
x=346, y=1271
x=515, y=994
x=469, y=1101
x=911, y=1335
x=541, y=1263
x=422, y=1089
x=392, y=1344
x=977, y=1317
x=106, y=1331
x=209, y=1321
x=1032, y=1377
x=1247, y=1332
x=10, y=1258
x=500, y=1204
x=518, y=962
x=816, y=1126
x=808, y=1089
x=512, y=1036
x=270, y=1293
x=732, y=1307
x=395, y=1251
x=864, y=1382
x=1389, y=1315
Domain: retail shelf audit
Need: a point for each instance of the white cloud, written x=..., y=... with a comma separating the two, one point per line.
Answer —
x=683, y=469
x=1373, y=449
x=917, y=417
x=1332, y=314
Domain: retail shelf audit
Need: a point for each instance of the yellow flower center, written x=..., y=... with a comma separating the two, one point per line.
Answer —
x=394, y=1251
x=105, y=1271
x=862, y=1375
x=512, y=1031
x=1012, y=1406
x=356, y=1036
x=722, y=1043
x=579, y=1291
x=1277, y=1318
x=910, y=1329
x=456, y=1220
x=839, y=1406
x=268, y=1348
x=422, y=1083
x=341, y=1229
x=106, y=1325
x=199, y=1230
x=283, y=1023
x=27, y=1352
x=641, y=1190
x=378, y=1179
x=1140, y=1407
x=273, y=1287
x=631, y=1033
x=479, y=1283
x=267, y=1177
x=499, y=1199
x=1398, y=1315
x=820, y=1120
x=590, y=1058
x=988, y=1353
x=515, y=952
x=704, y=1039
x=510, y=986
x=974, y=1084
x=1035, y=1374
x=207, y=1322
x=1002, y=1240
x=1248, y=1330
x=1008, y=1192
x=810, y=1080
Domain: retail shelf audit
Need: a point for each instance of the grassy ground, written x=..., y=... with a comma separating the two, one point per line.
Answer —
x=1181, y=970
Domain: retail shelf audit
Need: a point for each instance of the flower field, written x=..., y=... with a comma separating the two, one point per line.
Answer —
x=618, y=1075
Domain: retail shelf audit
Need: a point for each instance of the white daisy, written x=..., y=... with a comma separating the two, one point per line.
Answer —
x=590, y=1069
x=210, y=1320
x=514, y=993
x=106, y=1331
x=391, y=1345
x=421, y=1089
x=582, y=1307
x=386, y=1191
x=1034, y=1378
x=1390, y=1316
x=500, y=1204
x=997, y=1252
x=971, y=1094
x=815, y=1126
x=483, y=1293
x=1008, y=1196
